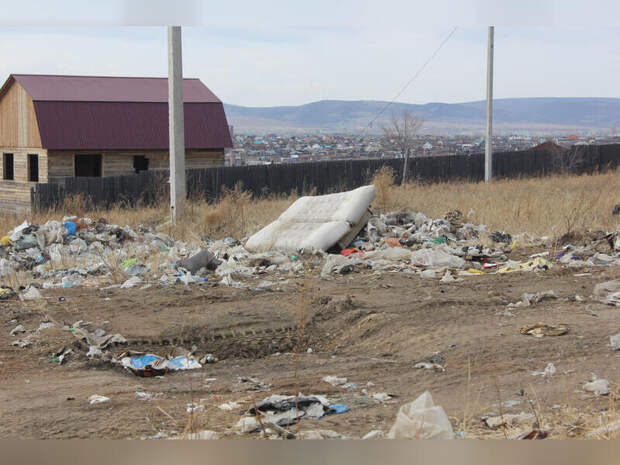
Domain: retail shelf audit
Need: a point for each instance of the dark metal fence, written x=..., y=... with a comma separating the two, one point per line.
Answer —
x=148, y=188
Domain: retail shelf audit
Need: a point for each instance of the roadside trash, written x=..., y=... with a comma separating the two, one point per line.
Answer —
x=334, y=380
x=541, y=330
x=6, y=293
x=615, y=342
x=382, y=396
x=315, y=222
x=532, y=299
x=148, y=365
x=203, y=259
x=608, y=292
x=208, y=358
x=97, y=399
x=145, y=365
x=144, y=396
x=31, y=293
x=498, y=236
x=60, y=356
x=319, y=434
x=547, y=373
x=600, y=387
x=430, y=366
x=131, y=282
x=374, y=434
x=247, y=425
x=250, y=384
x=17, y=330
x=508, y=419
x=229, y=406
x=194, y=408
x=70, y=227
x=27, y=341
x=421, y=419
x=206, y=434
x=537, y=263
x=287, y=410
x=437, y=257
x=534, y=434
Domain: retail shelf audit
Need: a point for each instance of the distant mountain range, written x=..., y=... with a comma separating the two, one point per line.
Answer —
x=546, y=115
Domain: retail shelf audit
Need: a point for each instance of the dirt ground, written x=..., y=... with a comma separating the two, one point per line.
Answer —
x=363, y=326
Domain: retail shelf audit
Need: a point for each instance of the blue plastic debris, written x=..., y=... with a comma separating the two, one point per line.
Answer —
x=71, y=227
x=337, y=408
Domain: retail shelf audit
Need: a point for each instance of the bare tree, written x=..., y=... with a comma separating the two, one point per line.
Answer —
x=400, y=135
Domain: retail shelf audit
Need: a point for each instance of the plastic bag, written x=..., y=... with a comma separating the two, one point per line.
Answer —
x=421, y=419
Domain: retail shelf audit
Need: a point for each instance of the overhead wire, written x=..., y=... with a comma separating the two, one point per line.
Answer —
x=408, y=83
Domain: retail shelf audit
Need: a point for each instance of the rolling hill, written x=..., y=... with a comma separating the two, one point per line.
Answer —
x=516, y=114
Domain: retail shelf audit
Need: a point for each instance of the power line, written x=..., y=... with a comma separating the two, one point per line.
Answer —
x=412, y=79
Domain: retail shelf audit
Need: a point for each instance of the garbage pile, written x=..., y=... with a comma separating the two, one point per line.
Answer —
x=95, y=253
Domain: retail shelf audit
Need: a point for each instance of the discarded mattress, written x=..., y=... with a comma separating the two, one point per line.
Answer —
x=314, y=223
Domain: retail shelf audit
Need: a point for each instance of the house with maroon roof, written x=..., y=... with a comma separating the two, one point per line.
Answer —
x=52, y=127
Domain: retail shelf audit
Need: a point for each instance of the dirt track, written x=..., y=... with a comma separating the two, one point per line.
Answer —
x=362, y=326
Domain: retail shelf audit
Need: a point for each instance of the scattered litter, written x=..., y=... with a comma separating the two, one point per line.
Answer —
x=541, y=330
x=374, y=434
x=615, y=342
x=148, y=365
x=31, y=293
x=97, y=399
x=319, y=434
x=144, y=396
x=250, y=384
x=532, y=299
x=430, y=366
x=547, y=373
x=229, y=406
x=600, y=387
x=509, y=419
x=608, y=292
x=131, y=282
x=206, y=434
x=421, y=419
x=247, y=425
x=27, y=341
x=534, y=434
x=17, y=330
x=334, y=380
x=382, y=396
x=194, y=408
x=203, y=259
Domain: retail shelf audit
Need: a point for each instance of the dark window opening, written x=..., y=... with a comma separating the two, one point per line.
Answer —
x=8, y=166
x=140, y=163
x=88, y=165
x=33, y=167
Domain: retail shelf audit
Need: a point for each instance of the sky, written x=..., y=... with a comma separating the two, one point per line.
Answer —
x=275, y=53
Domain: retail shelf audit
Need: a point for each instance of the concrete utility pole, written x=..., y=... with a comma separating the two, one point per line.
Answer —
x=488, y=145
x=176, y=123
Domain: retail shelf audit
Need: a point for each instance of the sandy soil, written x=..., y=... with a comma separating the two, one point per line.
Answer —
x=362, y=326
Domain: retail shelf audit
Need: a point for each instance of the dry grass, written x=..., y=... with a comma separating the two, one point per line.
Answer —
x=549, y=206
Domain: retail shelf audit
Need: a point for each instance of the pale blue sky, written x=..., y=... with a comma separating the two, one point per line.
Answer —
x=279, y=53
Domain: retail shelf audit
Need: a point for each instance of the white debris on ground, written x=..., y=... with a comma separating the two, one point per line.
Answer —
x=421, y=419
x=95, y=253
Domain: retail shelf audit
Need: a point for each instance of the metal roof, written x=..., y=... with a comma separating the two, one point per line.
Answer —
x=109, y=113
x=109, y=89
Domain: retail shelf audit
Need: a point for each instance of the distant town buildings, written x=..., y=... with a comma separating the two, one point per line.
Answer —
x=274, y=148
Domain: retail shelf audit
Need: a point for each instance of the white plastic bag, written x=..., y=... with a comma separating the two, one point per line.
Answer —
x=435, y=258
x=421, y=419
